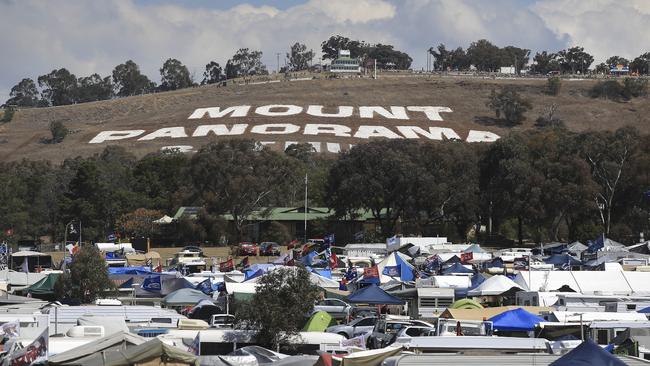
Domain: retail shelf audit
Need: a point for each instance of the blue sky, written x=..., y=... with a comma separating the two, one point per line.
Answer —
x=94, y=36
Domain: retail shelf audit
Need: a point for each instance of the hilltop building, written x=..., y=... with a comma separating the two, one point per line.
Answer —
x=344, y=64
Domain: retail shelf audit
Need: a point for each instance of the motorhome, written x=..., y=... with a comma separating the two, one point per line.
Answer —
x=189, y=261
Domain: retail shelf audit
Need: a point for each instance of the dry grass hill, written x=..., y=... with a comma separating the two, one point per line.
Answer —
x=27, y=134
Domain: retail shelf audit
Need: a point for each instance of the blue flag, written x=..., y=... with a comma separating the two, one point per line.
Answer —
x=392, y=271
x=599, y=243
x=205, y=286
x=127, y=284
x=351, y=274
x=152, y=283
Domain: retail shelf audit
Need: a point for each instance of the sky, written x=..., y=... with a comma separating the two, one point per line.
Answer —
x=37, y=36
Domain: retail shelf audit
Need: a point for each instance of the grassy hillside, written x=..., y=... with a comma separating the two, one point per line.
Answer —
x=27, y=134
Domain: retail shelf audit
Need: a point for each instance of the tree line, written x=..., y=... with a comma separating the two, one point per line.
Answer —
x=546, y=184
x=485, y=56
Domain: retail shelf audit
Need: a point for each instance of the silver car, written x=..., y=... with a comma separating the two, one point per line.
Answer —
x=338, y=309
x=354, y=328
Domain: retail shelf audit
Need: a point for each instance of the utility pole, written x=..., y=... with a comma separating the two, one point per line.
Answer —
x=306, y=208
x=278, y=55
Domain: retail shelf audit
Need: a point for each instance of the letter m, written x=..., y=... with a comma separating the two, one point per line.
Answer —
x=216, y=112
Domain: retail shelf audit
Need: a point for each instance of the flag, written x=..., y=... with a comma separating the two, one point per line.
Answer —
x=158, y=268
x=432, y=264
x=244, y=262
x=371, y=272
x=205, y=286
x=195, y=347
x=466, y=257
x=227, y=266
x=290, y=263
x=329, y=239
x=333, y=261
x=25, y=266
x=594, y=246
x=149, y=262
x=292, y=244
x=34, y=353
x=351, y=273
x=356, y=342
x=111, y=237
x=392, y=271
x=151, y=283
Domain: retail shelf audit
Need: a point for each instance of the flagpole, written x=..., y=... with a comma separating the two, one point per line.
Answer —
x=305, y=207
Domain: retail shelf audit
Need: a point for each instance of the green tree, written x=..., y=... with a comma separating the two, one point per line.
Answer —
x=139, y=223
x=58, y=131
x=641, y=64
x=276, y=232
x=24, y=94
x=510, y=105
x=617, y=60
x=334, y=44
x=59, y=87
x=238, y=177
x=484, y=55
x=87, y=279
x=550, y=118
x=213, y=73
x=174, y=75
x=608, y=89
x=634, y=88
x=128, y=80
x=299, y=58
x=387, y=57
x=277, y=310
x=93, y=88
x=245, y=63
x=575, y=59
x=544, y=62
x=514, y=56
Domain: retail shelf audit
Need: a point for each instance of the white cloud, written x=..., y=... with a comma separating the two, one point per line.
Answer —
x=94, y=36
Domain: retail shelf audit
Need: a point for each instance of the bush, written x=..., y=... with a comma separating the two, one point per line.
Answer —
x=609, y=89
x=553, y=85
x=550, y=118
x=509, y=104
x=634, y=88
x=59, y=132
x=8, y=114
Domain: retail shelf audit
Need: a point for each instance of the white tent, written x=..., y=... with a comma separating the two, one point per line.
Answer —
x=614, y=282
x=164, y=220
x=452, y=281
x=495, y=285
x=390, y=260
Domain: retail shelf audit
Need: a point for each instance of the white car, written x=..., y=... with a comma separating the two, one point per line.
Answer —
x=338, y=309
x=354, y=328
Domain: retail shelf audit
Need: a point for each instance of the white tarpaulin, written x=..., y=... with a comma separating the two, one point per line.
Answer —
x=452, y=281
x=495, y=285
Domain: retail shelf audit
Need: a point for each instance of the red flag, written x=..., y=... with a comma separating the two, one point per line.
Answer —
x=371, y=272
x=158, y=268
x=466, y=257
x=226, y=266
x=333, y=260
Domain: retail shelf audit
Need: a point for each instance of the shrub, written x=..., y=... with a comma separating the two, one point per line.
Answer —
x=59, y=131
x=509, y=104
x=634, y=88
x=553, y=85
x=609, y=89
x=550, y=118
x=8, y=114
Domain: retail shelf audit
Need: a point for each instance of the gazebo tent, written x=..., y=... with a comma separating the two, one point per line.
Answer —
x=517, y=320
x=185, y=297
x=562, y=260
x=373, y=295
x=456, y=268
x=588, y=354
x=495, y=285
x=465, y=304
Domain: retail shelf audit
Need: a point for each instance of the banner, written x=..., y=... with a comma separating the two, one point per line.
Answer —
x=392, y=271
x=227, y=266
x=151, y=283
x=205, y=287
x=466, y=257
x=371, y=272
x=35, y=352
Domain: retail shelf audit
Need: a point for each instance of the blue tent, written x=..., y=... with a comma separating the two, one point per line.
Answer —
x=373, y=295
x=588, y=353
x=562, y=260
x=494, y=263
x=644, y=310
x=516, y=320
x=456, y=268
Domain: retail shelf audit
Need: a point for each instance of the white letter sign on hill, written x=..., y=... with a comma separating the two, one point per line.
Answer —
x=115, y=135
x=216, y=112
x=279, y=133
x=288, y=110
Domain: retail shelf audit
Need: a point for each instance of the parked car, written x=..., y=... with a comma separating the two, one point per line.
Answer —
x=386, y=328
x=338, y=309
x=354, y=328
x=269, y=248
x=248, y=248
x=222, y=321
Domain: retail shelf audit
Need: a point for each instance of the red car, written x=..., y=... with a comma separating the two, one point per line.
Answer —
x=248, y=248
